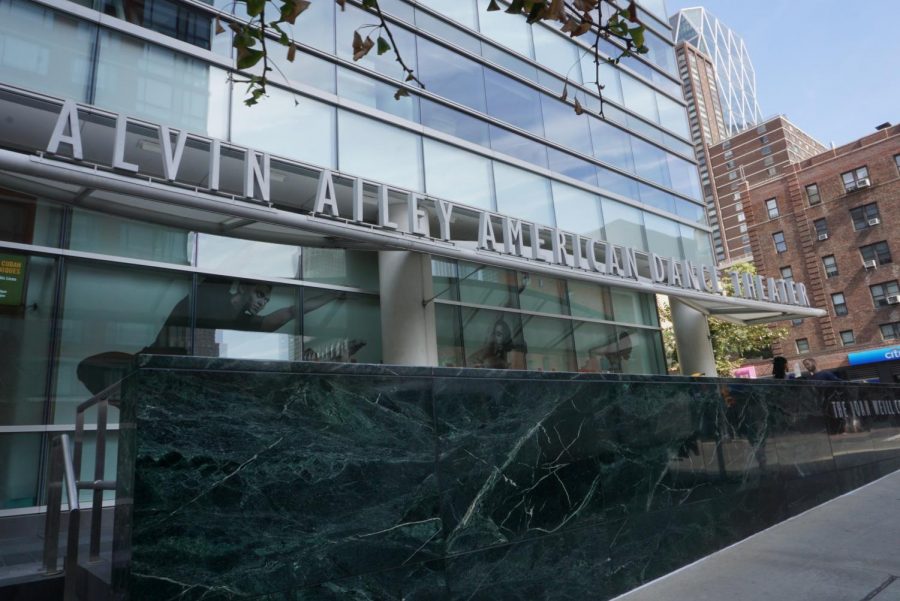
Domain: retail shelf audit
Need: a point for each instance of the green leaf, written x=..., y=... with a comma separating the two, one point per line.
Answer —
x=291, y=9
x=248, y=57
x=255, y=7
x=383, y=46
x=369, y=3
x=400, y=93
x=637, y=36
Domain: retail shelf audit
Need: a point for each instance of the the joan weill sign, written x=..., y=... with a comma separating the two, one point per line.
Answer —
x=496, y=233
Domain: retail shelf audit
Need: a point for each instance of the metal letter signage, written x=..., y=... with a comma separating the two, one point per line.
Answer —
x=496, y=234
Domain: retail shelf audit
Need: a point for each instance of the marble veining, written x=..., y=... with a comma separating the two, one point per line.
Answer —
x=270, y=480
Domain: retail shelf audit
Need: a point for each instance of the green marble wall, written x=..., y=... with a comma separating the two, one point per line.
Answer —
x=278, y=481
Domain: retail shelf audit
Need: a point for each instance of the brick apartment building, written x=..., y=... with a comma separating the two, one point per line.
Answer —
x=757, y=155
x=833, y=222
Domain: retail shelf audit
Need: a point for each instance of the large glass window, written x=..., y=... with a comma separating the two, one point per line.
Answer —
x=696, y=244
x=578, y=211
x=110, y=235
x=624, y=224
x=351, y=19
x=19, y=468
x=556, y=53
x=513, y=102
x=27, y=221
x=340, y=267
x=634, y=307
x=883, y=294
x=376, y=94
x=247, y=257
x=494, y=339
x=27, y=298
x=340, y=327
x=662, y=236
x=650, y=162
x=512, y=32
x=380, y=152
x=144, y=80
x=461, y=11
x=878, y=252
x=454, y=122
x=640, y=98
x=612, y=145
x=451, y=75
x=109, y=314
x=43, y=50
x=589, y=300
x=286, y=115
x=457, y=175
x=549, y=344
x=523, y=194
x=564, y=127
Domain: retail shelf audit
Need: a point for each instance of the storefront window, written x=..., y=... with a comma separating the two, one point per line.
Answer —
x=249, y=258
x=339, y=267
x=19, y=468
x=449, y=337
x=542, y=294
x=27, y=221
x=481, y=285
x=493, y=339
x=549, y=344
x=641, y=351
x=589, y=300
x=110, y=235
x=27, y=292
x=109, y=315
x=340, y=327
x=634, y=307
x=597, y=347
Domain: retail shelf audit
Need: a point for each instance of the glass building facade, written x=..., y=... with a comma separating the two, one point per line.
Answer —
x=100, y=283
x=735, y=76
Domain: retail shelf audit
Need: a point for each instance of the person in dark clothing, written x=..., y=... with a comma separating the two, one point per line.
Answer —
x=812, y=374
x=779, y=368
x=220, y=305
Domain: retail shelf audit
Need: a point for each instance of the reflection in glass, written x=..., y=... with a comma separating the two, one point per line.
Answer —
x=482, y=285
x=458, y=175
x=453, y=122
x=44, y=50
x=520, y=147
x=449, y=338
x=634, y=307
x=572, y=166
x=341, y=267
x=577, y=211
x=141, y=79
x=644, y=354
x=340, y=327
x=379, y=152
x=556, y=53
x=451, y=75
x=597, y=347
x=350, y=19
x=109, y=314
x=247, y=257
x=110, y=235
x=624, y=225
x=513, y=102
x=549, y=344
x=493, y=340
x=461, y=11
x=542, y=294
x=444, y=278
x=26, y=311
x=376, y=94
x=662, y=236
x=26, y=221
x=513, y=33
x=286, y=115
x=612, y=145
x=589, y=300
x=523, y=194
x=19, y=468
x=564, y=127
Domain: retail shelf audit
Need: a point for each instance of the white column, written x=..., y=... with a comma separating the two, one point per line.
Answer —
x=695, y=352
x=408, y=335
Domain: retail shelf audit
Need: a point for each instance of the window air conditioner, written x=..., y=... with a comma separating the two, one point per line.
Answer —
x=874, y=221
x=870, y=264
x=823, y=237
x=863, y=183
x=893, y=299
x=850, y=186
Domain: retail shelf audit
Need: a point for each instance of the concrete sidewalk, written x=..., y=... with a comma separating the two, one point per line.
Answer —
x=845, y=550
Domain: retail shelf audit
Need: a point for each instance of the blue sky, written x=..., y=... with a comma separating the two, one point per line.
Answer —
x=831, y=66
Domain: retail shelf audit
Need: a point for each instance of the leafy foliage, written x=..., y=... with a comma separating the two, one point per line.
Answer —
x=732, y=343
x=574, y=17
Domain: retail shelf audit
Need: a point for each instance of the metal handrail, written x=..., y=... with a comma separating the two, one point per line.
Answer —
x=66, y=464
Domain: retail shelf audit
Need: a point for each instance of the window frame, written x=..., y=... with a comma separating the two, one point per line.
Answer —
x=821, y=227
x=851, y=183
x=876, y=254
x=895, y=330
x=880, y=300
x=831, y=271
x=810, y=195
x=840, y=308
x=780, y=246
x=861, y=215
x=805, y=342
x=844, y=342
x=772, y=208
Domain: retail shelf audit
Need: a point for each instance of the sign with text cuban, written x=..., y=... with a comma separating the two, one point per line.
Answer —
x=487, y=232
x=12, y=279
x=874, y=355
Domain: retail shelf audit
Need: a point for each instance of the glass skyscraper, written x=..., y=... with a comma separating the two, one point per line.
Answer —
x=735, y=77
